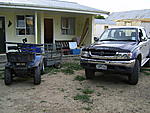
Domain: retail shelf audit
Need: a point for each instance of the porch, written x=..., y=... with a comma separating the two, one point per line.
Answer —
x=45, y=26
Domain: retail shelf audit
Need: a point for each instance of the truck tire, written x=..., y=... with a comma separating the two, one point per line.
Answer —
x=134, y=76
x=7, y=76
x=42, y=68
x=37, y=76
x=90, y=74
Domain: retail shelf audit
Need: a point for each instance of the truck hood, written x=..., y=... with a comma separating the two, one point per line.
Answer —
x=120, y=46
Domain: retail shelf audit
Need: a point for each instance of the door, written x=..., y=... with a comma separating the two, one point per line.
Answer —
x=48, y=30
x=2, y=35
x=143, y=45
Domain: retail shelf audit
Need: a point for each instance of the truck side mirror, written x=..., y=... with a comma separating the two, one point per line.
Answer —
x=96, y=39
x=144, y=39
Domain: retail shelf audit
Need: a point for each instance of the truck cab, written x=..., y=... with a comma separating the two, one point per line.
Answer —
x=119, y=49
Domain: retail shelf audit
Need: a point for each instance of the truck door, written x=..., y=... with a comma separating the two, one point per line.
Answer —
x=143, y=44
x=147, y=41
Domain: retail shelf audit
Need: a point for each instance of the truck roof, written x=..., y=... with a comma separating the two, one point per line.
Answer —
x=137, y=27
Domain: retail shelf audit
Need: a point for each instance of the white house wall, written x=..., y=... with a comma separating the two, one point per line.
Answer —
x=100, y=28
x=146, y=25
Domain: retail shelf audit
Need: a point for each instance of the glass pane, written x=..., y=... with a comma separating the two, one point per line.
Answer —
x=20, y=21
x=65, y=23
x=20, y=31
x=122, y=34
x=68, y=26
x=29, y=31
x=71, y=31
x=29, y=25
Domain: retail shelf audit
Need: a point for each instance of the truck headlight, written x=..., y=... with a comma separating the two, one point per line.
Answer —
x=85, y=54
x=124, y=55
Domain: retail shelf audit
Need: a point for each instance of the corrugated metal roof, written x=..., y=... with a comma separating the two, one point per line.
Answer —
x=135, y=14
x=50, y=4
x=104, y=21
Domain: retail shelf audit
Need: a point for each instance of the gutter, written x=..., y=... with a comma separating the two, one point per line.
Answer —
x=46, y=8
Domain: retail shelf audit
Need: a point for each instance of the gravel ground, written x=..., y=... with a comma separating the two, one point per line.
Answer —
x=56, y=94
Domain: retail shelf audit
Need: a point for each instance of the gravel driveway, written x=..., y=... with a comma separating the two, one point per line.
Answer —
x=63, y=93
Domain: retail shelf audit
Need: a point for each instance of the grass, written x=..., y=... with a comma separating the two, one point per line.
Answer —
x=61, y=89
x=146, y=71
x=73, y=66
x=103, y=87
x=79, y=78
x=87, y=108
x=78, y=88
x=43, y=101
x=51, y=70
x=67, y=68
x=99, y=94
x=88, y=91
x=83, y=98
x=67, y=71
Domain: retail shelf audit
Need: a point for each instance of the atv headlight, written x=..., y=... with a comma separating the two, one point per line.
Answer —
x=85, y=54
x=124, y=55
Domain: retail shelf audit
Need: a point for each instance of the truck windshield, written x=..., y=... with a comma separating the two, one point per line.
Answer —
x=119, y=34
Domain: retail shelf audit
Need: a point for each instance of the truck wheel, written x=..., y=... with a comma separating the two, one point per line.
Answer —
x=7, y=76
x=134, y=76
x=42, y=68
x=89, y=73
x=37, y=76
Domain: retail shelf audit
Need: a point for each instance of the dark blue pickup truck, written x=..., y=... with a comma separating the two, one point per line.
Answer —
x=120, y=49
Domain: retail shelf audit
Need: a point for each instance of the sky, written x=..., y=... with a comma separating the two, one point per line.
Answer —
x=115, y=5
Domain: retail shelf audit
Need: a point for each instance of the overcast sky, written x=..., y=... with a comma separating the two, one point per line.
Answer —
x=115, y=5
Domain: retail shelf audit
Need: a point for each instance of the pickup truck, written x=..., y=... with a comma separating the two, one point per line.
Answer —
x=121, y=49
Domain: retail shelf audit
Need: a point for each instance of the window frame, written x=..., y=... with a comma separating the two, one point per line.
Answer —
x=69, y=26
x=16, y=27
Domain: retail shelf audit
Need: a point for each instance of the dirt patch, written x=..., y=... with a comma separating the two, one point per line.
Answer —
x=71, y=93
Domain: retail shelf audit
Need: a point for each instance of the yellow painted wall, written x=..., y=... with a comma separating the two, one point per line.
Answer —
x=11, y=31
x=129, y=23
x=79, y=20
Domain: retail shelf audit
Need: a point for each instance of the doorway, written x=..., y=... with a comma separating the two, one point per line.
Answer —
x=2, y=35
x=48, y=30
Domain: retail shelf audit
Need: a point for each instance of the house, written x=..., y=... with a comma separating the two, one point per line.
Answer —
x=101, y=25
x=132, y=18
x=44, y=21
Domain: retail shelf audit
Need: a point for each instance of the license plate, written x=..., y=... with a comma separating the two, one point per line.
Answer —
x=20, y=64
x=102, y=67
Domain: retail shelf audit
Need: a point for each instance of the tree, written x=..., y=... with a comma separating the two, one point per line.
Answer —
x=99, y=17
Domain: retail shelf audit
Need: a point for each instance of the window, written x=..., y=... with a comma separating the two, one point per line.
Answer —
x=119, y=34
x=68, y=26
x=25, y=25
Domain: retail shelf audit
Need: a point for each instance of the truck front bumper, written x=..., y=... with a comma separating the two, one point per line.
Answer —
x=119, y=66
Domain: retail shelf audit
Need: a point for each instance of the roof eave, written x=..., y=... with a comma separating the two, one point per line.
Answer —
x=33, y=7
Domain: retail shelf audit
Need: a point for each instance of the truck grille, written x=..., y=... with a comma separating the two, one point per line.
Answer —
x=103, y=53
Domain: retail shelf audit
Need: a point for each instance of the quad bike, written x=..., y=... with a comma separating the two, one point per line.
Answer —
x=23, y=60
